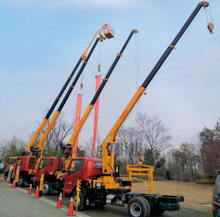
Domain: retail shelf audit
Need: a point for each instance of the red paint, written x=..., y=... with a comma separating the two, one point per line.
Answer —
x=77, y=119
x=98, y=83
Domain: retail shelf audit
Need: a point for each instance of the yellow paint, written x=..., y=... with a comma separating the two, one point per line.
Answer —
x=44, y=137
x=111, y=138
x=17, y=176
x=34, y=139
x=37, y=164
x=41, y=182
x=142, y=170
x=84, y=54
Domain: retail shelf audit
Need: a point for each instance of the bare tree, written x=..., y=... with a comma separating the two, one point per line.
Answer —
x=61, y=129
x=155, y=134
x=129, y=141
x=98, y=147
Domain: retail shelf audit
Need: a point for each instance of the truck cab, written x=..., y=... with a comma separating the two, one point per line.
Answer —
x=52, y=168
x=81, y=168
x=26, y=164
x=10, y=162
x=48, y=166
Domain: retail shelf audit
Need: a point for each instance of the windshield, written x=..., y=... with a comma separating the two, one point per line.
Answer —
x=75, y=166
x=10, y=161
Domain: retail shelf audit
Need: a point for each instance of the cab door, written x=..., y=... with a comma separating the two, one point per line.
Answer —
x=43, y=167
x=74, y=173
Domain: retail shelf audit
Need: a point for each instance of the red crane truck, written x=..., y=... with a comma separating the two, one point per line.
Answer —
x=108, y=187
x=26, y=174
x=55, y=180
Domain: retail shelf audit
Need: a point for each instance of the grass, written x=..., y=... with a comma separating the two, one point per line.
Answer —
x=194, y=194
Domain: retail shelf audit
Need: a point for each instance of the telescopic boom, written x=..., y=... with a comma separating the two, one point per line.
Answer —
x=71, y=144
x=107, y=156
x=83, y=57
x=106, y=31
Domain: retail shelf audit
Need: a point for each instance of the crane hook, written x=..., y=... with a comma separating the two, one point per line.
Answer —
x=99, y=67
x=210, y=28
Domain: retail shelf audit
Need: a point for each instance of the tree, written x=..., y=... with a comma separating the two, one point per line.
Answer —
x=81, y=152
x=98, y=148
x=155, y=134
x=61, y=129
x=15, y=147
x=210, y=149
x=211, y=159
x=129, y=141
x=177, y=166
x=190, y=155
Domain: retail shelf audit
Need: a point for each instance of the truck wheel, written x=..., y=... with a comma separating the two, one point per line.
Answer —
x=138, y=207
x=46, y=188
x=21, y=181
x=157, y=212
x=81, y=201
x=5, y=175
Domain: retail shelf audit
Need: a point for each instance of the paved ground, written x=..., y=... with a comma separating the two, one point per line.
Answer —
x=17, y=203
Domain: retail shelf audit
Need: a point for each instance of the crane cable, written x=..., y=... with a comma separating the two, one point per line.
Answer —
x=210, y=25
x=99, y=57
x=82, y=80
x=137, y=74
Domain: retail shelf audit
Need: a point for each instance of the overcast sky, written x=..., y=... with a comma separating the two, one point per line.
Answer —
x=41, y=41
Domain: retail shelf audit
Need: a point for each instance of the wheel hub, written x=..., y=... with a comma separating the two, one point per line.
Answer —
x=135, y=209
x=45, y=188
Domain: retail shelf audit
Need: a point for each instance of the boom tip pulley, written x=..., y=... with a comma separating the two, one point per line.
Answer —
x=204, y=4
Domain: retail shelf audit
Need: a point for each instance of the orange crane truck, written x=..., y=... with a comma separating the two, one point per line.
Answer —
x=108, y=187
x=53, y=175
x=28, y=163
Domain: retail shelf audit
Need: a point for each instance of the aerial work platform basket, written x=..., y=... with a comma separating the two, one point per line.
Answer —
x=108, y=32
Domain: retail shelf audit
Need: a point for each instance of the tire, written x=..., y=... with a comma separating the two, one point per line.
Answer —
x=21, y=181
x=81, y=201
x=157, y=212
x=138, y=207
x=5, y=175
x=46, y=188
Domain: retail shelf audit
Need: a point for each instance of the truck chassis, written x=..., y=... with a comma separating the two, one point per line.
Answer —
x=138, y=205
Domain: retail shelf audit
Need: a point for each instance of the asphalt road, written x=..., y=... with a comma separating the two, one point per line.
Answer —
x=119, y=211
x=50, y=202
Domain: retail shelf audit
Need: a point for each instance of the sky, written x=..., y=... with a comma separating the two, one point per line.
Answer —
x=41, y=41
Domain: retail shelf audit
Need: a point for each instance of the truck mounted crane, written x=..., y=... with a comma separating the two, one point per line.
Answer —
x=29, y=148
x=39, y=130
x=54, y=179
x=108, y=187
x=28, y=163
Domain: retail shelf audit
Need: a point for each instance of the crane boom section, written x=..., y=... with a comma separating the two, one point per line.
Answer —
x=109, y=35
x=108, y=168
x=107, y=156
x=34, y=139
x=52, y=122
x=84, y=54
x=72, y=141
x=73, y=138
